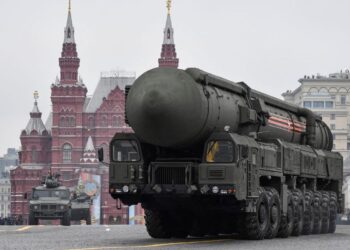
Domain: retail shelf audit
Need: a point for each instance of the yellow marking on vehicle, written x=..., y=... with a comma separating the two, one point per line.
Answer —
x=153, y=245
x=23, y=228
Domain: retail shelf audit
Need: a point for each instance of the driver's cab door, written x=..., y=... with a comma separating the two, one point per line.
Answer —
x=126, y=161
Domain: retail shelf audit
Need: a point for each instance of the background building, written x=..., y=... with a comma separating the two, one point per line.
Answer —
x=5, y=197
x=9, y=159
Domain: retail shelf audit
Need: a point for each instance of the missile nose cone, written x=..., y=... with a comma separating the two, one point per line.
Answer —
x=165, y=107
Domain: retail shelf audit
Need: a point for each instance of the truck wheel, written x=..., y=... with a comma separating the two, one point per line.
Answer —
x=287, y=221
x=308, y=218
x=180, y=225
x=156, y=224
x=317, y=212
x=198, y=227
x=32, y=220
x=275, y=213
x=65, y=221
x=253, y=226
x=325, y=212
x=298, y=199
x=333, y=208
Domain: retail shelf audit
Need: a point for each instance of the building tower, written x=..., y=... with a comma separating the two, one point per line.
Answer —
x=35, y=140
x=168, y=57
x=69, y=61
x=68, y=96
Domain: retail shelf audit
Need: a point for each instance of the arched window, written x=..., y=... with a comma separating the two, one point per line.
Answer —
x=62, y=121
x=67, y=153
x=104, y=121
x=66, y=122
x=117, y=121
x=34, y=154
x=168, y=34
x=91, y=122
x=105, y=151
x=71, y=121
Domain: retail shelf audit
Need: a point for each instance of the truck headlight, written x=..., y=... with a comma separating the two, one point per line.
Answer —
x=36, y=207
x=62, y=207
x=215, y=190
x=125, y=189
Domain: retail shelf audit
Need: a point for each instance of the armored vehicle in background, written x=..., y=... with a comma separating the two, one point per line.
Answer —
x=211, y=156
x=50, y=201
x=81, y=208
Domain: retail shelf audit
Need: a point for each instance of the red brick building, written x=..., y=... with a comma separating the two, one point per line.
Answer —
x=77, y=125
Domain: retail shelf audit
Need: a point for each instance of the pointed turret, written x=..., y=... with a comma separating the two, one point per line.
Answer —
x=69, y=30
x=35, y=139
x=168, y=55
x=35, y=124
x=69, y=61
x=89, y=152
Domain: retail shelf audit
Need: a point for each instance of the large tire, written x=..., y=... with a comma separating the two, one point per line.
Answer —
x=156, y=224
x=198, y=227
x=65, y=221
x=275, y=213
x=298, y=199
x=333, y=208
x=180, y=224
x=287, y=221
x=32, y=220
x=317, y=212
x=325, y=212
x=253, y=226
x=308, y=217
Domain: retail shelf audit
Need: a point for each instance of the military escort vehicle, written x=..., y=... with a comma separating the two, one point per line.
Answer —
x=50, y=201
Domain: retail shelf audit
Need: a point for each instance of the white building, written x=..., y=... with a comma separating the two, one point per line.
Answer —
x=5, y=194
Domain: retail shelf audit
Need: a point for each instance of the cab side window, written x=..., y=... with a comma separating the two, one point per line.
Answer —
x=220, y=152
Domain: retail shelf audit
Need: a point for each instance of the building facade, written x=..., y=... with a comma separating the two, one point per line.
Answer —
x=79, y=124
x=328, y=96
x=5, y=197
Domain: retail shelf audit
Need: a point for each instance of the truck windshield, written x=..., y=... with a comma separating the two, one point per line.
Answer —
x=63, y=194
x=220, y=151
x=125, y=150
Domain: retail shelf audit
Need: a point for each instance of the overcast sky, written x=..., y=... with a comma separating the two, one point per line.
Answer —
x=268, y=44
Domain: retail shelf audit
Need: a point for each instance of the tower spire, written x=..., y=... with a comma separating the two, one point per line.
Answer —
x=168, y=55
x=69, y=30
x=69, y=61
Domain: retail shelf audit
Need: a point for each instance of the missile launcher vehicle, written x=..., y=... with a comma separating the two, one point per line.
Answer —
x=210, y=156
x=50, y=201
